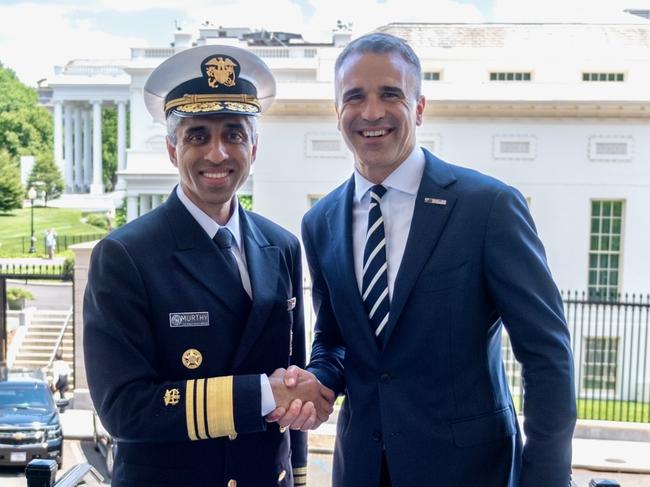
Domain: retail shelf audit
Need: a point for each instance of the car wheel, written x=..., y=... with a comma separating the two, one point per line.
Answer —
x=110, y=459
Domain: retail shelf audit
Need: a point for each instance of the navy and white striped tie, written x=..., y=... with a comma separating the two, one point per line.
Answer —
x=375, y=267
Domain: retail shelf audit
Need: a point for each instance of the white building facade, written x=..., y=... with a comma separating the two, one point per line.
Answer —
x=560, y=111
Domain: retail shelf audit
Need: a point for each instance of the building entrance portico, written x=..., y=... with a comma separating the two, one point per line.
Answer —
x=77, y=114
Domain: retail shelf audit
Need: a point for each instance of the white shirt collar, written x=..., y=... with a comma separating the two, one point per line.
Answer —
x=406, y=178
x=207, y=223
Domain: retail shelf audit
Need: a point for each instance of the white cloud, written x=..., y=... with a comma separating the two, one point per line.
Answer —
x=588, y=11
x=34, y=38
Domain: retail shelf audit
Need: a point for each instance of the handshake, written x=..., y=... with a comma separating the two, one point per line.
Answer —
x=302, y=402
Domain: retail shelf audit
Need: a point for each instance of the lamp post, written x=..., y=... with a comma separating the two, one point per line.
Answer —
x=31, y=195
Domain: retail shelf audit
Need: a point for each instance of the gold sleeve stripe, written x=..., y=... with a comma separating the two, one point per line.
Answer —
x=200, y=409
x=189, y=410
x=300, y=479
x=299, y=471
x=221, y=417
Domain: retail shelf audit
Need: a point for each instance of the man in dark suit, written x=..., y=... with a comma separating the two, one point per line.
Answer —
x=191, y=308
x=417, y=265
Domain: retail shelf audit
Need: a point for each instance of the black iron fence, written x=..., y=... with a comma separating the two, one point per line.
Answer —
x=62, y=242
x=63, y=271
x=610, y=340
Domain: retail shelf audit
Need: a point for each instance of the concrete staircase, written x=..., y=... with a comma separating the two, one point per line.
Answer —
x=40, y=339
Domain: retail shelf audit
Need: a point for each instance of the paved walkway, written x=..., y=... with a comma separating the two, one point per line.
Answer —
x=600, y=456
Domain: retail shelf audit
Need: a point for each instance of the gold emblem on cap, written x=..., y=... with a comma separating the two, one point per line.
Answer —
x=172, y=397
x=192, y=358
x=220, y=71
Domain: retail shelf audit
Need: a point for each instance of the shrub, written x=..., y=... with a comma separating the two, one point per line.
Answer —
x=97, y=220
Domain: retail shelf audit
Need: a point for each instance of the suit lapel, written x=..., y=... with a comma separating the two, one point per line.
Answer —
x=339, y=221
x=197, y=254
x=263, y=262
x=430, y=216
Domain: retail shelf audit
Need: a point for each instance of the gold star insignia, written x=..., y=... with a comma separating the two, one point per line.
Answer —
x=192, y=358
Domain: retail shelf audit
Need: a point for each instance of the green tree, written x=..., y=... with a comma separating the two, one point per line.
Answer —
x=11, y=190
x=109, y=147
x=25, y=127
x=46, y=176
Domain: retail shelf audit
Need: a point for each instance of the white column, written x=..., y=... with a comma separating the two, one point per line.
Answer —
x=131, y=208
x=78, y=171
x=88, y=160
x=145, y=203
x=68, y=131
x=97, y=187
x=121, y=142
x=58, y=134
x=156, y=199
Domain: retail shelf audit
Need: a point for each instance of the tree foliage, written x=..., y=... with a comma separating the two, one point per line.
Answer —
x=25, y=127
x=11, y=189
x=46, y=176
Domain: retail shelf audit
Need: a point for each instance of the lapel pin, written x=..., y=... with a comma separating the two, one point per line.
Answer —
x=435, y=201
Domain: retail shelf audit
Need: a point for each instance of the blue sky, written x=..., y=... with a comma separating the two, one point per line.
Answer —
x=38, y=34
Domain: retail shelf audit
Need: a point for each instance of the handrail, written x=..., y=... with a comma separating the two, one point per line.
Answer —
x=76, y=474
x=59, y=339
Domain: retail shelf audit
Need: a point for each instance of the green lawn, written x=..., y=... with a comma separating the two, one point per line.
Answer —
x=613, y=410
x=15, y=228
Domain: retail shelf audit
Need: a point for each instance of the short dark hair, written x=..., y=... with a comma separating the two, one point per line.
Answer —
x=382, y=43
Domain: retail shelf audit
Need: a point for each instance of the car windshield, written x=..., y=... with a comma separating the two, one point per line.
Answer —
x=28, y=396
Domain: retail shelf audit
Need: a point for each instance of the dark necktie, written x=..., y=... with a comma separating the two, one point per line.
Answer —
x=375, y=267
x=223, y=239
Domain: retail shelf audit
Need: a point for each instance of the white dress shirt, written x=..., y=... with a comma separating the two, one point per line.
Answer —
x=397, y=207
x=211, y=227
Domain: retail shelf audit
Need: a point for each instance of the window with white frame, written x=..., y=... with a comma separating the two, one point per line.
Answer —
x=431, y=75
x=324, y=145
x=312, y=199
x=607, y=77
x=611, y=148
x=599, y=368
x=514, y=147
x=510, y=76
x=605, y=249
x=430, y=142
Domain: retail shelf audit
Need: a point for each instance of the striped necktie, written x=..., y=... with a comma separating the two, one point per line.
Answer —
x=375, y=267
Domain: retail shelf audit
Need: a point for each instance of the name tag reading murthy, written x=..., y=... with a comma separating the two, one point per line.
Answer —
x=183, y=320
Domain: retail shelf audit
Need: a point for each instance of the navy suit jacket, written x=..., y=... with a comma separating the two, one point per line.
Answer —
x=156, y=289
x=435, y=397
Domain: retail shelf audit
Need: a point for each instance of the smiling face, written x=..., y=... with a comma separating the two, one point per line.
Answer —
x=378, y=109
x=214, y=157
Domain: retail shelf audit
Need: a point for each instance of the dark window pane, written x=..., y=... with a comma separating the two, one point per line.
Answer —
x=618, y=208
x=511, y=76
x=611, y=77
x=613, y=278
x=605, y=225
x=595, y=208
x=526, y=76
x=585, y=76
x=595, y=225
x=607, y=208
x=619, y=77
x=604, y=243
x=602, y=77
x=616, y=244
x=593, y=278
x=594, y=243
x=493, y=76
x=593, y=261
x=603, y=261
x=502, y=76
x=616, y=226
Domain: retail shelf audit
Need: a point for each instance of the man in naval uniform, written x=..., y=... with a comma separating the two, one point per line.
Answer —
x=191, y=308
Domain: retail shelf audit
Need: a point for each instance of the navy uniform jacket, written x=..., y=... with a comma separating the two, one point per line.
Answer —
x=156, y=296
x=435, y=397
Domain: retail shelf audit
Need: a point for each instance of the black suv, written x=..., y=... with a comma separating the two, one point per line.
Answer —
x=29, y=420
